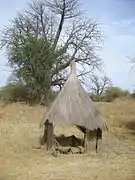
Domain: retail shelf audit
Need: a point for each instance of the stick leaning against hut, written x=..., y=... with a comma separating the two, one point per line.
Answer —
x=73, y=106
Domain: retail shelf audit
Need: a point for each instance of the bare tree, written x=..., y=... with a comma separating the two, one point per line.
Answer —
x=61, y=23
x=99, y=84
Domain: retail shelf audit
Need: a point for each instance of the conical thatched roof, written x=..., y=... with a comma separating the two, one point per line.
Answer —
x=73, y=106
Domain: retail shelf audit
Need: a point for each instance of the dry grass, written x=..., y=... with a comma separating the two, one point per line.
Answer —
x=20, y=160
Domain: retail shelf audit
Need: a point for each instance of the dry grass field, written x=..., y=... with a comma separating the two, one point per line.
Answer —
x=21, y=160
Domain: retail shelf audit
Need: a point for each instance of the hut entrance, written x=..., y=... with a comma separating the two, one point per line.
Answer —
x=63, y=144
x=72, y=144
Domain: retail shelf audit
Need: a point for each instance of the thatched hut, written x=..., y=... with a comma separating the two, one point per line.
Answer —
x=73, y=106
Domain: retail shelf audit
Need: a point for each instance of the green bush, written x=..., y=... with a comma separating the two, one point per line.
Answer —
x=17, y=92
x=110, y=94
x=113, y=93
x=133, y=95
x=96, y=98
x=14, y=92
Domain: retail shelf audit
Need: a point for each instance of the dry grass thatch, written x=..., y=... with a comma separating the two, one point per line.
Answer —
x=73, y=106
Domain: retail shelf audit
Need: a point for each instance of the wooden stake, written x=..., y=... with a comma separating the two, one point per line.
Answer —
x=90, y=141
x=99, y=141
x=49, y=131
x=85, y=142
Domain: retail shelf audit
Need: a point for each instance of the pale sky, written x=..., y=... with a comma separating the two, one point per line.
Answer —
x=117, y=19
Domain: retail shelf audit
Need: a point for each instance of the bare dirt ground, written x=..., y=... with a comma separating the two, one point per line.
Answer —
x=21, y=160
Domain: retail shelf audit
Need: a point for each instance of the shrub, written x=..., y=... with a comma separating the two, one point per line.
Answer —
x=96, y=98
x=17, y=92
x=113, y=93
x=133, y=95
x=13, y=92
x=110, y=94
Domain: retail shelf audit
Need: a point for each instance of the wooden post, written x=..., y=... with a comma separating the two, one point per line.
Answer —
x=89, y=141
x=99, y=141
x=85, y=142
x=49, y=132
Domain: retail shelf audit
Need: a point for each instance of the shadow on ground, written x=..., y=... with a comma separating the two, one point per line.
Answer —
x=131, y=126
x=71, y=141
